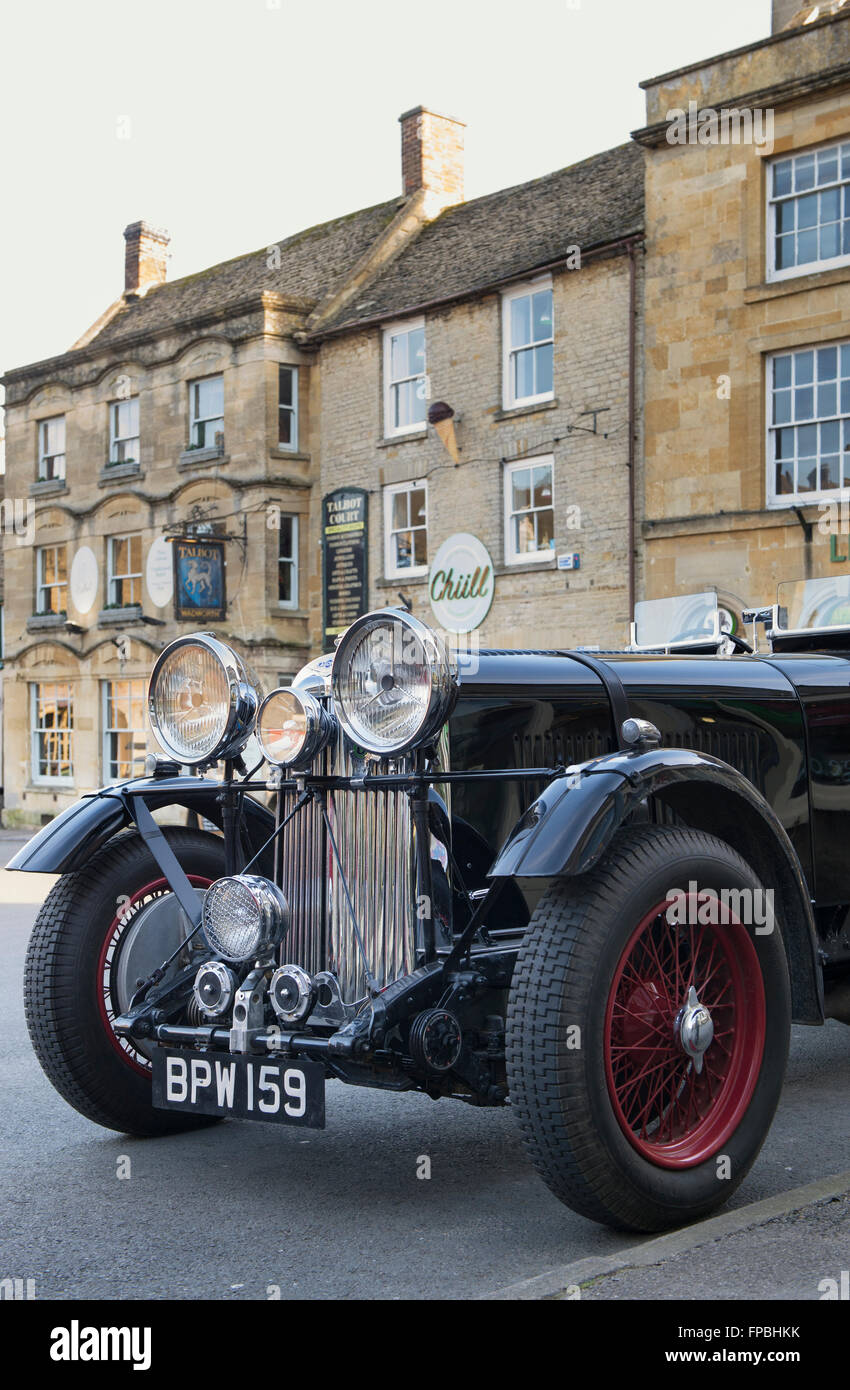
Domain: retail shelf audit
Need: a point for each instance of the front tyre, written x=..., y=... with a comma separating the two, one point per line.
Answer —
x=99, y=931
x=647, y=1037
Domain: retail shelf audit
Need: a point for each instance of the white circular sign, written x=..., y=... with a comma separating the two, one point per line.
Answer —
x=159, y=572
x=460, y=583
x=84, y=579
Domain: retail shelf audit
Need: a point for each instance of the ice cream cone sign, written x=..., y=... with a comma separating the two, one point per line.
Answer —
x=442, y=417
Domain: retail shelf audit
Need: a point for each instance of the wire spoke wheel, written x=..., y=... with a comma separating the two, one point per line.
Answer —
x=646, y=1042
x=128, y=919
x=675, y=1108
x=101, y=931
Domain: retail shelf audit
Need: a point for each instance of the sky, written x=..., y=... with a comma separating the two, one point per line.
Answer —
x=234, y=123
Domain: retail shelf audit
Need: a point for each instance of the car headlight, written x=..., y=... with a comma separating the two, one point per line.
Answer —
x=293, y=728
x=392, y=682
x=244, y=916
x=201, y=703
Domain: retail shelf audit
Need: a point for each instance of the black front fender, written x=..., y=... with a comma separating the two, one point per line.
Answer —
x=568, y=828
x=70, y=840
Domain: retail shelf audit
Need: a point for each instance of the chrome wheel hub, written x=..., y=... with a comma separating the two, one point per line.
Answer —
x=694, y=1029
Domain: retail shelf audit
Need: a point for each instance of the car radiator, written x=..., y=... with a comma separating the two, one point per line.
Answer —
x=374, y=835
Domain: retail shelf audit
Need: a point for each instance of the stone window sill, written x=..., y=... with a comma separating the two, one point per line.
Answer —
x=527, y=567
x=43, y=622
x=293, y=455
x=415, y=437
x=118, y=473
x=405, y=582
x=47, y=487
x=200, y=458
x=796, y=284
x=283, y=612
x=517, y=412
x=120, y=617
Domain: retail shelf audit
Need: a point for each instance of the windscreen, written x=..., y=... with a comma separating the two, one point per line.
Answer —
x=665, y=622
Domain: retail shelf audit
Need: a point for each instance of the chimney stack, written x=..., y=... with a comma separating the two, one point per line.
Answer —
x=781, y=12
x=145, y=257
x=432, y=158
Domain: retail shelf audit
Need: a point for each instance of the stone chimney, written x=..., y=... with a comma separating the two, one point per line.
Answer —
x=432, y=158
x=782, y=11
x=145, y=257
x=802, y=12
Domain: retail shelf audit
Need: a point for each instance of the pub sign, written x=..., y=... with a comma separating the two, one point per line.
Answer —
x=199, y=592
x=344, y=568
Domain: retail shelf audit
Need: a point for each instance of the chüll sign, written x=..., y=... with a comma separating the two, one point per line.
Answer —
x=460, y=583
x=344, y=541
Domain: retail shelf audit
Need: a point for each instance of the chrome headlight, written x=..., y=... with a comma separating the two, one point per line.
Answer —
x=201, y=703
x=293, y=728
x=244, y=916
x=393, y=685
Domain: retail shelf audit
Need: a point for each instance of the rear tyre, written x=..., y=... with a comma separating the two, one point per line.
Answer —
x=615, y=1113
x=75, y=982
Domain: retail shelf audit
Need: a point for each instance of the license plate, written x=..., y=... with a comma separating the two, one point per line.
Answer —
x=248, y=1088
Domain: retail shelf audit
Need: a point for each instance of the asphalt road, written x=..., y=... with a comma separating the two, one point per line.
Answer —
x=228, y=1212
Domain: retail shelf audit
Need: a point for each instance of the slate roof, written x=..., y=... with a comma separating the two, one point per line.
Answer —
x=312, y=263
x=489, y=240
x=467, y=249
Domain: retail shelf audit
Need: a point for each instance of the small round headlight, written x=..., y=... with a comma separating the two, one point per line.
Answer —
x=293, y=728
x=392, y=682
x=244, y=916
x=201, y=702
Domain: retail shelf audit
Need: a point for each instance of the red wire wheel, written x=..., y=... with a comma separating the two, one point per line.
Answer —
x=108, y=958
x=674, y=1115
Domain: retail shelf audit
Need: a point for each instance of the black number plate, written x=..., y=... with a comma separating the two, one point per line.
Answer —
x=249, y=1087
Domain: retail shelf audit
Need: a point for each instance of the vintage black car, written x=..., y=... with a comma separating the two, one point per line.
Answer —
x=596, y=887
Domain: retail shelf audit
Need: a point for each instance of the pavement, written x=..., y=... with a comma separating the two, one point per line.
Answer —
x=245, y=1211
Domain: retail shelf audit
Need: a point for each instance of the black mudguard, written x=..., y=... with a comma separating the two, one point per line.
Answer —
x=571, y=824
x=69, y=841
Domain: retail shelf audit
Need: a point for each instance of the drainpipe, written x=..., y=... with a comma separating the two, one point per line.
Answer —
x=632, y=418
x=807, y=530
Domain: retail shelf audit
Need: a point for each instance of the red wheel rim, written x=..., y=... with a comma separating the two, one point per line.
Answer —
x=673, y=1115
x=107, y=958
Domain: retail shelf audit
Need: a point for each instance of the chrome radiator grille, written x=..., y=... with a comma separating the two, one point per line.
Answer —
x=373, y=834
x=375, y=841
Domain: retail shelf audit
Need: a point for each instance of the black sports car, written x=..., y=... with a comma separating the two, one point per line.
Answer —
x=595, y=887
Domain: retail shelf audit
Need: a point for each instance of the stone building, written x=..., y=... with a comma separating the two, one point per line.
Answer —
x=520, y=313
x=517, y=413
x=747, y=415
x=186, y=410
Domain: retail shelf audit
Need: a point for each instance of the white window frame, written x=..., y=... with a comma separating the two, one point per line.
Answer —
x=195, y=420
x=109, y=729
x=112, y=577
x=524, y=557
x=391, y=491
x=809, y=267
x=53, y=459
x=291, y=560
x=292, y=410
x=41, y=587
x=116, y=439
x=776, y=501
x=42, y=779
x=531, y=287
x=395, y=330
